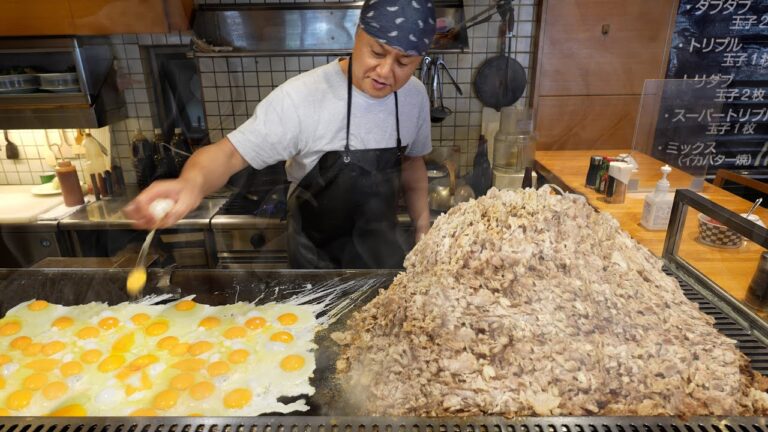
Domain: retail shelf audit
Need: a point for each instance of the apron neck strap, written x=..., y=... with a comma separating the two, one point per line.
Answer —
x=347, y=157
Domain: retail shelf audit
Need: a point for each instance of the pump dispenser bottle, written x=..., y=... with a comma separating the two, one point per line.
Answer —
x=658, y=204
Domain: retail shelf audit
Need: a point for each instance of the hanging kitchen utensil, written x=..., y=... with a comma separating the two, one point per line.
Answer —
x=439, y=112
x=441, y=64
x=11, y=150
x=501, y=80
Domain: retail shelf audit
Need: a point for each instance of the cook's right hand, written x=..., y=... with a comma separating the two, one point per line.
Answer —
x=185, y=193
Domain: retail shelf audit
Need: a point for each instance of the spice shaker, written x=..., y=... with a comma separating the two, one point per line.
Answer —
x=618, y=179
x=70, y=184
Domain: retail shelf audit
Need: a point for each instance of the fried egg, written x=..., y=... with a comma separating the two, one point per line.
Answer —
x=183, y=358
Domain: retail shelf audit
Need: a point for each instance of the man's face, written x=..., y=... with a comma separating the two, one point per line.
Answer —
x=378, y=69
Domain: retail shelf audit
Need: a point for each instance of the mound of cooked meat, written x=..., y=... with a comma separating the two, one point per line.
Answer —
x=528, y=303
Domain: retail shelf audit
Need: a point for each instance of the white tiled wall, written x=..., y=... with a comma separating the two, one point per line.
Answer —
x=233, y=86
x=138, y=96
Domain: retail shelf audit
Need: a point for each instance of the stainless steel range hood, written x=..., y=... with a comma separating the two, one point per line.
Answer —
x=294, y=29
x=97, y=102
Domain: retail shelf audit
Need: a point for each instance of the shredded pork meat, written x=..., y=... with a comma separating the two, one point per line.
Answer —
x=528, y=303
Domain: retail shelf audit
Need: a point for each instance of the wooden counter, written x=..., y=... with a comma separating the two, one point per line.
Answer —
x=732, y=269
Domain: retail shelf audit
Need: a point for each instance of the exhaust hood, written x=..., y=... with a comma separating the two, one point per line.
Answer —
x=294, y=29
x=54, y=83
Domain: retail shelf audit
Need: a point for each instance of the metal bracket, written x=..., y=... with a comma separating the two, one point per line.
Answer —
x=684, y=199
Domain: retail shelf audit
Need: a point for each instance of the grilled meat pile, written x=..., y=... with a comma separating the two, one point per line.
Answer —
x=527, y=303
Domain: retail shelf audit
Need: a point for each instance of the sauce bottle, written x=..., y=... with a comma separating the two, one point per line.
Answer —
x=70, y=184
x=180, y=148
x=143, y=159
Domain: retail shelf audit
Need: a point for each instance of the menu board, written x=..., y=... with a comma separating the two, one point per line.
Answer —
x=717, y=115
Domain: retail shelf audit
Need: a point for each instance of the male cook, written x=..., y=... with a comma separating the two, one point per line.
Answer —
x=353, y=133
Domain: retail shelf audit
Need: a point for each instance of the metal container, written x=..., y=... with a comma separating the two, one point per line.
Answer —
x=59, y=82
x=21, y=83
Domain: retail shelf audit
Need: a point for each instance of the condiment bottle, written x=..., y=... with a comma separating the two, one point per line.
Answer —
x=482, y=176
x=143, y=162
x=658, y=204
x=180, y=148
x=96, y=158
x=70, y=184
x=165, y=167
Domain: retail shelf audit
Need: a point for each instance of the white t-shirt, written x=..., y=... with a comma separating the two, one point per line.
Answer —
x=306, y=117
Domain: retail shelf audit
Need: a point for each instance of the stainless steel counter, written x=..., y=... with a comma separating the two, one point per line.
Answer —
x=107, y=214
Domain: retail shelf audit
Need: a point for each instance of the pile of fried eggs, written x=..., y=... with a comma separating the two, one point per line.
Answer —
x=177, y=359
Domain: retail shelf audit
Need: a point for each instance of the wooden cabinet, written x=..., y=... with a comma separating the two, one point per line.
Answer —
x=594, y=57
x=35, y=17
x=586, y=122
x=93, y=17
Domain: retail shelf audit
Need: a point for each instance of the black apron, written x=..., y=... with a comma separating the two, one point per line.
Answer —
x=343, y=213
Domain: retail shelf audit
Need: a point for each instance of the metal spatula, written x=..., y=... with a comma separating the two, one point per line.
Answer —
x=137, y=277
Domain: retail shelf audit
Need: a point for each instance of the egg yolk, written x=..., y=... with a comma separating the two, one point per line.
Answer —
x=235, y=332
x=143, y=412
x=209, y=323
x=37, y=305
x=35, y=381
x=199, y=348
x=53, y=347
x=143, y=361
x=4, y=358
x=2, y=383
x=202, y=390
x=140, y=319
x=109, y=323
x=111, y=362
x=156, y=328
x=89, y=332
x=180, y=349
x=182, y=381
x=90, y=356
x=55, y=390
x=21, y=342
x=32, y=349
x=43, y=365
x=288, y=319
x=185, y=305
x=4, y=412
x=237, y=398
x=70, y=368
x=281, y=336
x=167, y=343
x=218, y=368
x=18, y=400
x=74, y=410
x=292, y=363
x=256, y=323
x=62, y=323
x=189, y=364
x=238, y=356
x=165, y=400
x=10, y=328
x=124, y=343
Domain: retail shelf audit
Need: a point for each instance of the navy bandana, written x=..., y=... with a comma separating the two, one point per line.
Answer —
x=406, y=25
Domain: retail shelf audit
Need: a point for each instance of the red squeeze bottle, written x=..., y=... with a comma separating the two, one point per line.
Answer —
x=70, y=184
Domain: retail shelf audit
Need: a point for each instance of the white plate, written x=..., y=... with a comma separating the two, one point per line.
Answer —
x=45, y=189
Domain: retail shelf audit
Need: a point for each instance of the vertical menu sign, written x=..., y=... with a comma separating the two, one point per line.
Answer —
x=717, y=115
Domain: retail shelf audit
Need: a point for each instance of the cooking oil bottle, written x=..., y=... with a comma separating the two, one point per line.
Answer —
x=143, y=159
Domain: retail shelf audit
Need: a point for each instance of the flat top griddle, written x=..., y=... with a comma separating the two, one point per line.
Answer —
x=328, y=410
